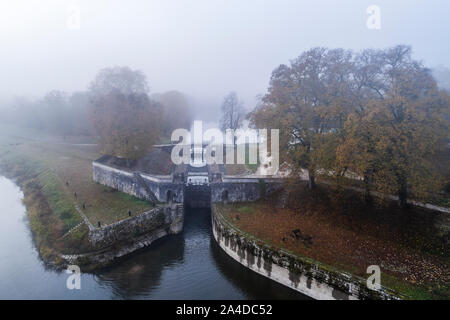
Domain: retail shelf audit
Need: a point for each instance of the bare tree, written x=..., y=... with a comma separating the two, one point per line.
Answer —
x=232, y=112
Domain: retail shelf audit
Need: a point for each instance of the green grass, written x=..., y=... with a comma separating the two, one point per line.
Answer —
x=58, y=201
x=441, y=199
x=252, y=167
x=42, y=165
x=32, y=170
x=34, y=152
x=51, y=212
x=50, y=163
x=133, y=199
x=246, y=209
x=414, y=292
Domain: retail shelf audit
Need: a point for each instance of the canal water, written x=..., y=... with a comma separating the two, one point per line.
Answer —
x=185, y=266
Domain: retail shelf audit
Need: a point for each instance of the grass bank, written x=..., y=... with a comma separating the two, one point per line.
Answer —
x=55, y=175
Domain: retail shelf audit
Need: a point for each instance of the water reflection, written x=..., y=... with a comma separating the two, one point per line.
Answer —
x=256, y=286
x=185, y=266
x=140, y=273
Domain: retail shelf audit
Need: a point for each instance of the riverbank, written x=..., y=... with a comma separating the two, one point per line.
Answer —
x=84, y=245
x=154, y=273
x=406, y=245
x=304, y=275
x=63, y=203
x=117, y=240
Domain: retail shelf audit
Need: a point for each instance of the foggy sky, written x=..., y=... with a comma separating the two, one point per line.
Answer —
x=204, y=48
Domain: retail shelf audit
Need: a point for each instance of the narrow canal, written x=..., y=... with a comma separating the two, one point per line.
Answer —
x=185, y=266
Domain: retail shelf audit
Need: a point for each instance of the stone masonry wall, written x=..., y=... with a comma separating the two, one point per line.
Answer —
x=168, y=218
x=126, y=236
x=303, y=275
x=231, y=189
x=126, y=182
x=241, y=190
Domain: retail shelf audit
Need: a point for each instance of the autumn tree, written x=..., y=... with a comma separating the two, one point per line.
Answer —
x=377, y=116
x=233, y=113
x=308, y=101
x=392, y=139
x=123, y=118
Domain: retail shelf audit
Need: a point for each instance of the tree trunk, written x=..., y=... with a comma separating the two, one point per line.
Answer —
x=311, y=180
x=367, y=196
x=403, y=194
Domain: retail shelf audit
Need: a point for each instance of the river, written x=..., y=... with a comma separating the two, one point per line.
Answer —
x=185, y=266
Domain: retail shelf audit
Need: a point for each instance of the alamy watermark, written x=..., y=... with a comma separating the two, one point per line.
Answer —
x=240, y=147
x=74, y=280
x=73, y=21
x=374, y=19
x=374, y=280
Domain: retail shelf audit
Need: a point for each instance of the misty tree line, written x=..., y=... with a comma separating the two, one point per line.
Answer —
x=377, y=115
x=116, y=94
x=57, y=112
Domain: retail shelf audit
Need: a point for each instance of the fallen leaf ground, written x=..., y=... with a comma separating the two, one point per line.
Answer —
x=404, y=243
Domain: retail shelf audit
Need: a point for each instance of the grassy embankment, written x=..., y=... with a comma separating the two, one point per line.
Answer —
x=50, y=170
x=350, y=237
x=242, y=169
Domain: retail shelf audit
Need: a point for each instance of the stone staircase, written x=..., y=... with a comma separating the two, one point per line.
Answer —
x=140, y=182
x=73, y=229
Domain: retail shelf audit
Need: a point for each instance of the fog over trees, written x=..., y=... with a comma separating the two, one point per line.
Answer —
x=125, y=121
x=56, y=112
x=376, y=114
x=175, y=111
x=116, y=103
x=204, y=49
x=442, y=76
x=341, y=109
x=314, y=141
